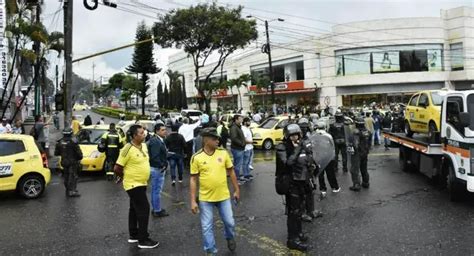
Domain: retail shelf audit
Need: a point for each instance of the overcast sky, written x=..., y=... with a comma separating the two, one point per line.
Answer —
x=106, y=27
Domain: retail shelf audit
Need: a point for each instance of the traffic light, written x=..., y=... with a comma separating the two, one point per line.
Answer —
x=59, y=101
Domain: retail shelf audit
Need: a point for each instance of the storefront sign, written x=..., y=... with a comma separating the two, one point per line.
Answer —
x=434, y=60
x=284, y=86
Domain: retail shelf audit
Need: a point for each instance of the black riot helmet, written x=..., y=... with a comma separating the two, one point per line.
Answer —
x=360, y=123
x=67, y=132
x=291, y=129
x=339, y=117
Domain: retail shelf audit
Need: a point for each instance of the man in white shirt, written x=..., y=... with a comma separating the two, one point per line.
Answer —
x=187, y=130
x=248, y=151
x=257, y=117
x=5, y=127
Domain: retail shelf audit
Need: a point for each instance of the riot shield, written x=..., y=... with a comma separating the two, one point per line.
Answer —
x=349, y=132
x=323, y=149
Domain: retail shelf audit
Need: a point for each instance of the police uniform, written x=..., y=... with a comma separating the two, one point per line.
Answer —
x=71, y=156
x=359, y=147
x=337, y=131
x=298, y=162
x=113, y=143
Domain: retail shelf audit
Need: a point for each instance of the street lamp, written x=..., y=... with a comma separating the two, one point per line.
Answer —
x=267, y=49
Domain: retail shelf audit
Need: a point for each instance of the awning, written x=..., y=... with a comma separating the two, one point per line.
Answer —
x=308, y=90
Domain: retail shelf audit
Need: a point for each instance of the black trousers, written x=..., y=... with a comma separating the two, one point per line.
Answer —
x=343, y=149
x=359, y=165
x=139, y=213
x=188, y=152
x=295, y=208
x=71, y=175
x=309, y=198
x=330, y=172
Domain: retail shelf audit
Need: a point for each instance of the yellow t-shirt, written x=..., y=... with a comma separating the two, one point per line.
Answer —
x=212, y=172
x=75, y=126
x=136, y=166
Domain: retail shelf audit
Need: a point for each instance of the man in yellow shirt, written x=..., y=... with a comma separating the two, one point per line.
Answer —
x=133, y=165
x=211, y=165
x=75, y=125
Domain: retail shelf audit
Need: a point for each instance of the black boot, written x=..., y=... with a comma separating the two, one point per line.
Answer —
x=355, y=187
x=303, y=238
x=365, y=184
x=306, y=218
x=296, y=244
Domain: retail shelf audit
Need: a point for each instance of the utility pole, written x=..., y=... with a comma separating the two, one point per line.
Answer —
x=93, y=82
x=270, y=72
x=36, y=47
x=57, y=85
x=68, y=4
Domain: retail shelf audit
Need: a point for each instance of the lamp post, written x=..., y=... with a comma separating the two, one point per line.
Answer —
x=267, y=49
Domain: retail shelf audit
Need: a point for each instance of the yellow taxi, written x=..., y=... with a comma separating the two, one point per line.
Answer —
x=270, y=132
x=88, y=138
x=423, y=112
x=79, y=107
x=23, y=166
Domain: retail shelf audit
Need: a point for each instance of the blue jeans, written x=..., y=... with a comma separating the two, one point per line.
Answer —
x=157, y=180
x=238, y=156
x=377, y=137
x=246, y=162
x=176, y=160
x=207, y=222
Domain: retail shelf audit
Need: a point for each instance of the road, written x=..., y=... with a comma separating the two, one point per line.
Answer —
x=400, y=214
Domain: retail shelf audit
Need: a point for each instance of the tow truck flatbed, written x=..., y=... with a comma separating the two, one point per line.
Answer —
x=419, y=143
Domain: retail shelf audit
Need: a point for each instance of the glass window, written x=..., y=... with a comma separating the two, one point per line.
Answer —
x=282, y=124
x=412, y=61
x=454, y=106
x=437, y=98
x=269, y=123
x=300, y=70
x=11, y=147
x=385, y=62
x=413, y=100
x=457, y=59
x=357, y=64
x=470, y=110
x=90, y=136
x=423, y=100
x=279, y=73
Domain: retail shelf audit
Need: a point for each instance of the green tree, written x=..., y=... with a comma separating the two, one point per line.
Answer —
x=129, y=85
x=166, y=97
x=143, y=62
x=242, y=80
x=175, y=89
x=160, y=95
x=203, y=30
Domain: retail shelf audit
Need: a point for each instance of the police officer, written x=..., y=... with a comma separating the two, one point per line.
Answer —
x=337, y=132
x=112, y=142
x=294, y=157
x=71, y=155
x=309, y=213
x=358, y=147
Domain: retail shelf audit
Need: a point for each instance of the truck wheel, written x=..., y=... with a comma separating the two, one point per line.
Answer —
x=408, y=131
x=432, y=130
x=267, y=144
x=456, y=191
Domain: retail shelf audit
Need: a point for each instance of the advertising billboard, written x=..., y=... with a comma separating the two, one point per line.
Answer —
x=385, y=62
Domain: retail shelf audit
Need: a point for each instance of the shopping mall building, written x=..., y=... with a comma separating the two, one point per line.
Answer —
x=379, y=61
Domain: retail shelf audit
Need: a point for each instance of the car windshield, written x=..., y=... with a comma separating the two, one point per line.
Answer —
x=437, y=98
x=470, y=110
x=269, y=123
x=90, y=136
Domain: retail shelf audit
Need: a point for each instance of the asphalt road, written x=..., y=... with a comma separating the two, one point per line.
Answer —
x=400, y=214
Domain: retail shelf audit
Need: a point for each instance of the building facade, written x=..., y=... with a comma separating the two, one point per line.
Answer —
x=381, y=61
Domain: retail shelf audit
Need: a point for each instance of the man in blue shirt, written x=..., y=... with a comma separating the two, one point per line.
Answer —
x=158, y=163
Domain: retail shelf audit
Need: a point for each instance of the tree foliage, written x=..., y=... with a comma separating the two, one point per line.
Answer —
x=143, y=62
x=203, y=30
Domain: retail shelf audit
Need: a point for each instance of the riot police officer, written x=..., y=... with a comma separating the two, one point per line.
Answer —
x=358, y=147
x=112, y=143
x=337, y=131
x=294, y=157
x=310, y=212
x=71, y=155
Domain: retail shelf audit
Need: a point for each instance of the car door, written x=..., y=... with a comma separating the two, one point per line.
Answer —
x=14, y=162
x=277, y=133
x=422, y=113
x=411, y=110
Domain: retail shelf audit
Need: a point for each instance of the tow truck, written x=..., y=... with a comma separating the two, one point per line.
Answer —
x=448, y=155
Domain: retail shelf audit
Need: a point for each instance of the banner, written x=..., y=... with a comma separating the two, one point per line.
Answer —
x=357, y=64
x=434, y=60
x=339, y=66
x=385, y=62
x=3, y=46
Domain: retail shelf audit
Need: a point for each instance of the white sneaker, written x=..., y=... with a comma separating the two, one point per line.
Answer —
x=250, y=167
x=323, y=194
x=336, y=190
